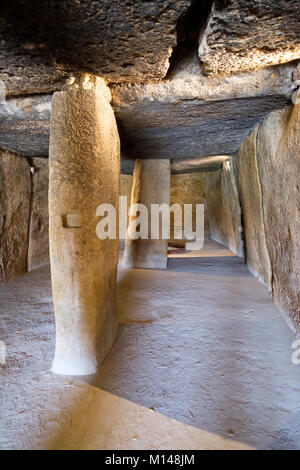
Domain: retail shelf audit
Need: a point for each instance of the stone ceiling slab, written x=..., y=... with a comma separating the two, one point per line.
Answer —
x=250, y=34
x=25, y=125
x=186, y=117
x=192, y=115
x=198, y=165
x=123, y=41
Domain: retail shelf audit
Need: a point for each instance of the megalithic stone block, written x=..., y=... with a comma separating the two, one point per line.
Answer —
x=151, y=185
x=84, y=169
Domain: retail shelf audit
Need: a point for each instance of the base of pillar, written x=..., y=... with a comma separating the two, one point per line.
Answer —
x=74, y=366
x=79, y=355
x=146, y=254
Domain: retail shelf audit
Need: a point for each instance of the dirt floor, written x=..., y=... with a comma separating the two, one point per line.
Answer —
x=202, y=361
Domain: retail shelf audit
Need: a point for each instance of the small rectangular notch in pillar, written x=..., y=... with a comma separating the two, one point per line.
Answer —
x=71, y=221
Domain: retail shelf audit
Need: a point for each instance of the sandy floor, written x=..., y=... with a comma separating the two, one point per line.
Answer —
x=202, y=361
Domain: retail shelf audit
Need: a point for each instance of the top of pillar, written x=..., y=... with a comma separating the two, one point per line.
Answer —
x=88, y=81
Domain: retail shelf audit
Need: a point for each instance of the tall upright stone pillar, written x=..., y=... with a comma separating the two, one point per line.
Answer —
x=84, y=170
x=151, y=185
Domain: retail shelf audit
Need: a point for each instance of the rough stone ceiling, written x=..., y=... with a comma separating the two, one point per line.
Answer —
x=188, y=116
x=191, y=115
x=133, y=40
x=25, y=125
x=121, y=40
x=249, y=34
x=178, y=69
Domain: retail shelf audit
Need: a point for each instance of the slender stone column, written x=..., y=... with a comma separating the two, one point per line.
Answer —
x=151, y=185
x=84, y=169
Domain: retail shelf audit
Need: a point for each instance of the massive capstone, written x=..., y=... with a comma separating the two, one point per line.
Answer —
x=123, y=41
x=185, y=117
x=249, y=34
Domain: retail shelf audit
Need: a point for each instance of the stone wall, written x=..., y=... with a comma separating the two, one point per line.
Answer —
x=224, y=212
x=250, y=192
x=268, y=168
x=126, y=187
x=38, y=250
x=15, y=192
x=23, y=214
x=125, y=190
x=189, y=188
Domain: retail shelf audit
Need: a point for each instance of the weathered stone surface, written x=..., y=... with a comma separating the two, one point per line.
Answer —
x=189, y=188
x=43, y=43
x=25, y=125
x=224, y=210
x=121, y=41
x=38, y=250
x=84, y=173
x=231, y=196
x=151, y=185
x=15, y=191
x=126, y=187
x=25, y=71
x=198, y=165
x=249, y=34
x=190, y=115
x=181, y=166
x=278, y=150
x=250, y=192
x=269, y=168
x=186, y=117
x=125, y=190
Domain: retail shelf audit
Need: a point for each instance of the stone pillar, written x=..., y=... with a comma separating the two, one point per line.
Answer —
x=84, y=172
x=151, y=185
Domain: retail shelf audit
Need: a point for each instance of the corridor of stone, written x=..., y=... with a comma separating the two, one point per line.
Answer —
x=149, y=225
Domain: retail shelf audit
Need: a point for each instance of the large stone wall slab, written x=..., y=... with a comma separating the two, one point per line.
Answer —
x=189, y=188
x=217, y=214
x=231, y=197
x=224, y=212
x=125, y=187
x=268, y=170
x=125, y=190
x=250, y=193
x=278, y=150
x=38, y=250
x=15, y=196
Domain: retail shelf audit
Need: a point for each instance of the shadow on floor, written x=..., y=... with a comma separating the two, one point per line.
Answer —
x=203, y=343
